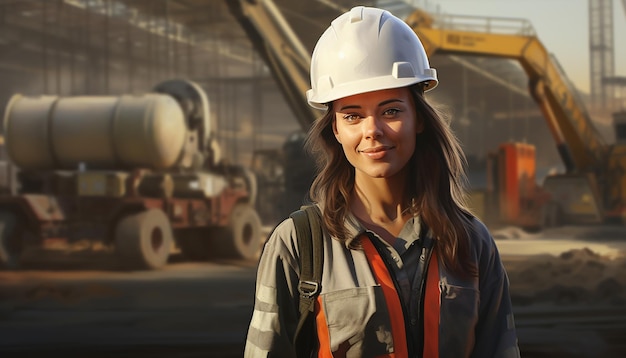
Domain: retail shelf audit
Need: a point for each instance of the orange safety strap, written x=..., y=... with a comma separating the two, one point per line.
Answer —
x=391, y=297
x=432, y=304
x=396, y=316
x=322, y=331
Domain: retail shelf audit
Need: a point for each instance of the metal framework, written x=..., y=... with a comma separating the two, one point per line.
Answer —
x=601, y=52
x=73, y=47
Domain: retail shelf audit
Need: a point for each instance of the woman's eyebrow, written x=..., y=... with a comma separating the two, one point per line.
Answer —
x=353, y=106
x=389, y=101
x=356, y=106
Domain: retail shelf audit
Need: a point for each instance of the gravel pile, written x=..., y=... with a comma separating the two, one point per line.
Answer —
x=578, y=276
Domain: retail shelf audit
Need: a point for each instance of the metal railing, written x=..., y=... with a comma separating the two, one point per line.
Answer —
x=485, y=24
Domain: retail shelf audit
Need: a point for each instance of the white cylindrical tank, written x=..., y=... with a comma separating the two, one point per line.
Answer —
x=100, y=132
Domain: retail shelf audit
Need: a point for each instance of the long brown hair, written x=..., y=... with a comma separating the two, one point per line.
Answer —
x=436, y=169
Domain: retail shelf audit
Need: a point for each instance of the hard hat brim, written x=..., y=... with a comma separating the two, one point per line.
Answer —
x=363, y=86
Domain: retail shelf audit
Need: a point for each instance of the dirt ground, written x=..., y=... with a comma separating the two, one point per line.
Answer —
x=568, y=287
x=566, y=266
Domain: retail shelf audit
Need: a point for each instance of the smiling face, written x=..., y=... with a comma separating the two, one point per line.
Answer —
x=377, y=131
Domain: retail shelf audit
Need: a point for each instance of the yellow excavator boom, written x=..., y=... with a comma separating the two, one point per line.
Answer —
x=580, y=145
x=282, y=51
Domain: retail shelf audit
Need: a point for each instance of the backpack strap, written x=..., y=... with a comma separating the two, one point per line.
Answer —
x=310, y=245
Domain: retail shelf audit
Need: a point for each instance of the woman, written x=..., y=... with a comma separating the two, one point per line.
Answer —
x=408, y=271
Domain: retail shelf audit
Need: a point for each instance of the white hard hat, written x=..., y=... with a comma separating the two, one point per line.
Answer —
x=363, y=50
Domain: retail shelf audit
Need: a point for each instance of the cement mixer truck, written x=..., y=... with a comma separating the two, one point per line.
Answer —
x=141, y=173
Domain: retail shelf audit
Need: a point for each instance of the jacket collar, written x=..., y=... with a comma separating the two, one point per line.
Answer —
x=409, y=234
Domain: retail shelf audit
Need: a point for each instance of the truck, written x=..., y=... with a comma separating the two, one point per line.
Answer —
x=142, y=174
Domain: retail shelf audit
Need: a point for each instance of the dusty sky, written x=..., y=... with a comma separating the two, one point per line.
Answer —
x=561, y=25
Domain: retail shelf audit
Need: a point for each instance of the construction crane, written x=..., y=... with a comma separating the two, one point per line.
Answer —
x=601, y=52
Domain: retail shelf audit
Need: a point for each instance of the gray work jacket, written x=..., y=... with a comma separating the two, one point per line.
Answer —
x=476, y=318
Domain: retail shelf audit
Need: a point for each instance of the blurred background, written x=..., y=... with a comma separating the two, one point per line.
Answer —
x=149, y=147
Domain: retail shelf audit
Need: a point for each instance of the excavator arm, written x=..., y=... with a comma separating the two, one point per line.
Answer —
x=593, y=188
x=282, y=51
x=578, y=142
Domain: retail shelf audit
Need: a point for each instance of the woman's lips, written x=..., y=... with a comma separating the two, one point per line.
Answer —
x=376, y=152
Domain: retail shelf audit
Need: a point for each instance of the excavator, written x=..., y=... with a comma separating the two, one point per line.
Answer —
x=592, y=188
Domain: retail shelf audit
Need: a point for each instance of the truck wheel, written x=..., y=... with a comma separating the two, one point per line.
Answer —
x=194, y=244
x=144, y=240
x=10, y=240
x=242, y=239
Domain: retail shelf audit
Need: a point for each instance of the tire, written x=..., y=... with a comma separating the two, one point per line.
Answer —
x=194, y=244
x=11, y=243
x=144, y=240
x=253, y=186
x=242, y=238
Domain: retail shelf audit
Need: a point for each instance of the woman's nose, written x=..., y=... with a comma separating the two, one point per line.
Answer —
x=372, y=127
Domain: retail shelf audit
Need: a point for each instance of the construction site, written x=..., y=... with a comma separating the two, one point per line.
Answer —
x=149, y=147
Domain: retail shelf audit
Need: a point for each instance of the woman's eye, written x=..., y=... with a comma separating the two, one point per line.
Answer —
x=351, y=117
x=391, y=112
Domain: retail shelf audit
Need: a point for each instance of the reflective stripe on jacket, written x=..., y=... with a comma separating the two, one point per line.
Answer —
x=475, y=316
